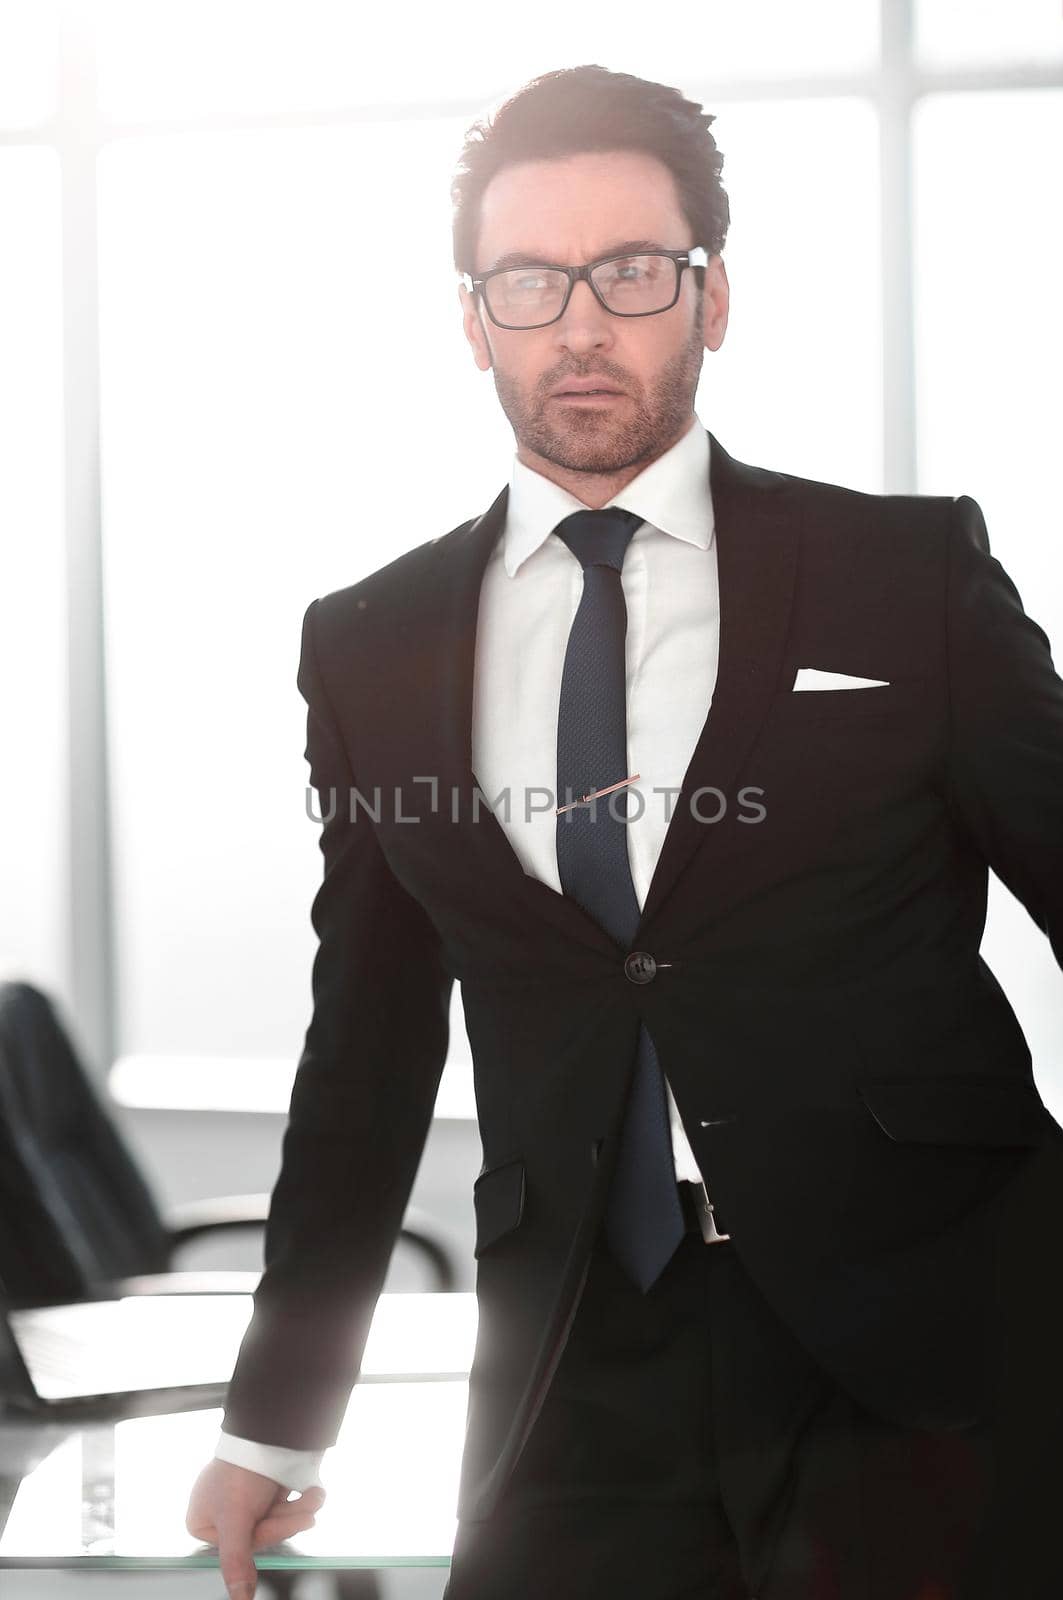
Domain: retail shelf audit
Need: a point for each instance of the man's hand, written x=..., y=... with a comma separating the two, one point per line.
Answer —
x=241, y=1511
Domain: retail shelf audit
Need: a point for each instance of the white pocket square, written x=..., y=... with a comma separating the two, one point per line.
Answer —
x=816, y=678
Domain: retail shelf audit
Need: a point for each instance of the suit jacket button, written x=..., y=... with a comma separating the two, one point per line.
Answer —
x=640, y=967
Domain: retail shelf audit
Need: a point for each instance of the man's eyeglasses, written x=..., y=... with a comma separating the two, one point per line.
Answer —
x=628, y=286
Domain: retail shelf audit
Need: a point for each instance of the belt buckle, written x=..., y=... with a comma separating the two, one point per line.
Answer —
x=707, y=1215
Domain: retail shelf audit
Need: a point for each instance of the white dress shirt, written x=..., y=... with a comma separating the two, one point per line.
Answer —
x=528, y=598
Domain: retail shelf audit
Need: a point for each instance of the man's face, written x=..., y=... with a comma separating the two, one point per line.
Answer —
x=569, y=212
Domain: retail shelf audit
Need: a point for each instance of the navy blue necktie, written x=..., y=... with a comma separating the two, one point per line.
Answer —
x=644, y=1219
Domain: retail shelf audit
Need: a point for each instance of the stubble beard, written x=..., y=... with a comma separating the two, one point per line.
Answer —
x=598, y=441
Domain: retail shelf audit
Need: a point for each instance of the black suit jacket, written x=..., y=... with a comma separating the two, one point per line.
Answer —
x=855, y=1085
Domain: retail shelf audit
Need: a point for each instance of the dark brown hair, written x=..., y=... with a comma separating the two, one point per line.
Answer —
x=590, y=108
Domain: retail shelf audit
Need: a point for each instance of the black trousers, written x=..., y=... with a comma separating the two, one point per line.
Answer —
x=689, y=1449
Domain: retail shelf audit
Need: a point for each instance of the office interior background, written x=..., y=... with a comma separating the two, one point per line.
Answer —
x=232, y=378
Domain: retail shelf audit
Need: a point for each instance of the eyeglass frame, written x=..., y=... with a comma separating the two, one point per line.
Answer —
x=682, y=258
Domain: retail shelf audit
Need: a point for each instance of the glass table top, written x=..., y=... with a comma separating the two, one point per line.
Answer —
x=113, y=1493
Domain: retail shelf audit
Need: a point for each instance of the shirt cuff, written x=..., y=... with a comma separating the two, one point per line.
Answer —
x=295, y=1469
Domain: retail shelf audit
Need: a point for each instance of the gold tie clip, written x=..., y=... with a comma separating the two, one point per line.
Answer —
x=594, y=793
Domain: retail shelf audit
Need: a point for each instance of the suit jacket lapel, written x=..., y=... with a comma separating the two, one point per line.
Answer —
x=455, y=579
x=757, y=534
x=758, y=540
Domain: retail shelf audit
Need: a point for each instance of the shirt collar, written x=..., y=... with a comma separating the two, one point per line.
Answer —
x=671, y=494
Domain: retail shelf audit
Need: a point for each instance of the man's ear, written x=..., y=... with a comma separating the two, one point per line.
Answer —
x=716, y=301
x=475, y=332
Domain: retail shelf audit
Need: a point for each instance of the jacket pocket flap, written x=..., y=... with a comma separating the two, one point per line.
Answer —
x=1000, y=1111
x=498, y=1200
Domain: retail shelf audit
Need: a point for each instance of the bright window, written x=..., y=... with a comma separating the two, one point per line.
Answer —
x=202, y=58
x=29, y=62
x=989, y=338
x=33, y=793
x=979, y=33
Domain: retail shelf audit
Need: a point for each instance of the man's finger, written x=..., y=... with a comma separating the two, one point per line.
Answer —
x=315, y=1496
x=305, y=1504
x=274, y=1528
x=239, y=1573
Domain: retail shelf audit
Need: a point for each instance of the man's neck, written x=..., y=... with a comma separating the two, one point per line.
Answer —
x=594, y=489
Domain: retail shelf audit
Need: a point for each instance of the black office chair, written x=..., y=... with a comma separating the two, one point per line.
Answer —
x=75, y=1210
x=77, y=1217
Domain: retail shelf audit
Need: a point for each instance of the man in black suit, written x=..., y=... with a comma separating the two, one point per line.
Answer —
x=767, y=1186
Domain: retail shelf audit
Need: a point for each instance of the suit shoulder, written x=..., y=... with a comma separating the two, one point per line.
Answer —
x=832, y=510
x=385, y=585
x=834, y=507
x=866, y=503
x=889, y=544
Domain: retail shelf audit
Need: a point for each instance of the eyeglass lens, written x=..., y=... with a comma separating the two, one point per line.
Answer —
x=526, y=297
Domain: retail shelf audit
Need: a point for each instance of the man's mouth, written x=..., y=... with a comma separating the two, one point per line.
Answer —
x=586, y=394
x=581, y=387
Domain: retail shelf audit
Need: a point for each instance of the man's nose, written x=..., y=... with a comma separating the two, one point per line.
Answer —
x=585, y=324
